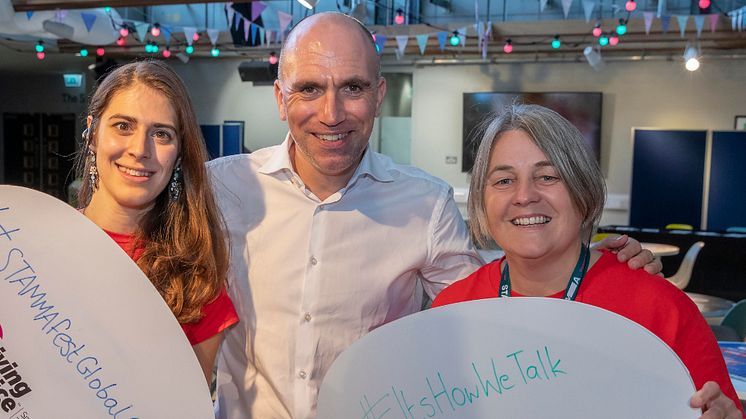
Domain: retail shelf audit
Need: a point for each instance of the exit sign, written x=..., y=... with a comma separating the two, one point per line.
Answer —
x=73, y=80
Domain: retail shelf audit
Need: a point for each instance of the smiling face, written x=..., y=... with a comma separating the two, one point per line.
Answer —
x=529, y=209
x=330, y=93
x=136, y=146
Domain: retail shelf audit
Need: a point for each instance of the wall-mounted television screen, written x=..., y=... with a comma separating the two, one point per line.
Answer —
x=583, y=109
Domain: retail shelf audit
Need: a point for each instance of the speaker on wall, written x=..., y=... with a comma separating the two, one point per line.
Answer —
x=260, y=73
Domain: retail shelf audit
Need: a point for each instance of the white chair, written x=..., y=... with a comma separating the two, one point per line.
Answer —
x=684, y=273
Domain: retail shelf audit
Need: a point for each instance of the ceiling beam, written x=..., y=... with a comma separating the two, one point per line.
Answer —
x=37, y=5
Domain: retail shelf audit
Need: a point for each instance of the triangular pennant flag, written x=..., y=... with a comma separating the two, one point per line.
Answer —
x=60, y=15
x=230, y=13
x=734, y=21
x=588, y=7
x=566, y=7
x=246, y=25
x=442, y=40
x=189, y=34
x=213, y=35
x=401, y=43
x=236, y=21
x=166, y=31
x=683, y=20
x=661, y=8
x=253, y=34
x=261, y=35
x=422, y=42
x=380, y=43
x=142, y=30
x=542, y=5
x=28, y=15
x=284, y=19
x=462, y=36
x=648, y=21
x=88, y=19
x=699, y=23
x=665, y=20
x=714, y=22
x=257, y=7
x=269, y=36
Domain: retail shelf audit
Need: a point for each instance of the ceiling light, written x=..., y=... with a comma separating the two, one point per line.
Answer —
x=308, y=4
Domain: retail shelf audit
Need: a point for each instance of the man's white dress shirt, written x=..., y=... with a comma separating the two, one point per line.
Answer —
x=309, y=277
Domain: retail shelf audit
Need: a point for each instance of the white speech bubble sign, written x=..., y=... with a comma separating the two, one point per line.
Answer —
x=84, y=334
x=511, y=358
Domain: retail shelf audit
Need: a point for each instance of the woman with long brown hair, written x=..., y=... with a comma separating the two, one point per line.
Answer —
x=145, y=184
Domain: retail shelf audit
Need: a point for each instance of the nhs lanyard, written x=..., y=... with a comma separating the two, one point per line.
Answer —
x=573, y=284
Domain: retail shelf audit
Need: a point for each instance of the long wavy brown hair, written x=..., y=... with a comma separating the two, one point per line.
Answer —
x=185, y=252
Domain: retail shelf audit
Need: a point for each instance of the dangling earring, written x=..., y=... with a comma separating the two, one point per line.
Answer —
x=92, y=170
x=174, y=187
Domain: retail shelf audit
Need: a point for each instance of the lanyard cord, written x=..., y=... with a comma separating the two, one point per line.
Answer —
x=573, y=285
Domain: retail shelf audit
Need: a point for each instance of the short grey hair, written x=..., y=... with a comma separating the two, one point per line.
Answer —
x=360, y=25
x=563, y=146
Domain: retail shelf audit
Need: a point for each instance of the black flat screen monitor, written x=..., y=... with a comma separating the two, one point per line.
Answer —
x=582, y=109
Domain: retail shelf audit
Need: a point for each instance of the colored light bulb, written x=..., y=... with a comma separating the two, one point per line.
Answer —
x=613, y=40
x=597, y=31
x=399, y=18
x=166, y=53
x=123, y=32
x=120, y=41
x=703, y=4
x=214, y=52
x=83, y=52
x=100, y=51
x=508, y=48
x=39, y=47
x=272, y=58
x=40, y=55
x=195, y=37
x=603, y=41
x=630, y=6
x=556, y=43
x=189, y=49
x=155, y=30
x=454, y=39
x=621, y=29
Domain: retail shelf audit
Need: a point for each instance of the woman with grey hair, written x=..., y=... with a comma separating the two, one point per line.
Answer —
x=536, y=191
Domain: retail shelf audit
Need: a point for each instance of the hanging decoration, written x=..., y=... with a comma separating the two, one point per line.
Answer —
x=189, y=33
x=401, y=45
x=257, y=7
x=566, y=4
x=648, y=21
x=588, y=7
x=699, y=23
x=665, y=20
x=246, y=25
x=88, y=19
x=442, y=40
x=683, y=20
x=142, y=30
x=422, y=42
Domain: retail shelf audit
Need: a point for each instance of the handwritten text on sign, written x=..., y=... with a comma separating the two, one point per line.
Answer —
x=17, y=271
x=517, y=368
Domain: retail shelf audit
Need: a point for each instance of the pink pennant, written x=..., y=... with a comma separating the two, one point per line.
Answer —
x=714, y=18
x=246, y=25
x=284, y=19
x=257, y=7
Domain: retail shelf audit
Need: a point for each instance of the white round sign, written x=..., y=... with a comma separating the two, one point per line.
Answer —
x=83, y=333
x=512, y=358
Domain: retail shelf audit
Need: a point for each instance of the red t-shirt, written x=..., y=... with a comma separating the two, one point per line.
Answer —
x=648, y=300
x=216, y=315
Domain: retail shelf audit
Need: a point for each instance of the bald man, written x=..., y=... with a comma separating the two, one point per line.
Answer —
x=329, y=239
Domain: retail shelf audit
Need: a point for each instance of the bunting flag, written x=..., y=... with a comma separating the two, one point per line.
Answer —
x=257, y=7
x=683, y=20
x=486, y=37
x=261, y=33
x=699, y=23
x=542, y=5
x=88, y=19
x=253, y=34
x=462, y=36
x=380, y=43
x=284, y=19
x=665, y=20
x=401, y=45
x=142, y=30
x=588, y=7
x=246, y=25
x=714, y=22
x=213, y=35
x=189, y=34
x=166, y=31
x=60, y=15
x=566, y=4
x=648, y=21
x=237, y=21
x=442, y=40
x=28, y=15
x=422, y=42
x=479, y=29
x=734, y=21
x=269, y=36
x=661, y=8
x=230, y=13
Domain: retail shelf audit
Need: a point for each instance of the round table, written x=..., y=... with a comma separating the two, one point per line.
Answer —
x=711, y=306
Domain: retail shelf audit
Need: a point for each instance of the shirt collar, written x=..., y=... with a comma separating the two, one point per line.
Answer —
x=370, y=164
